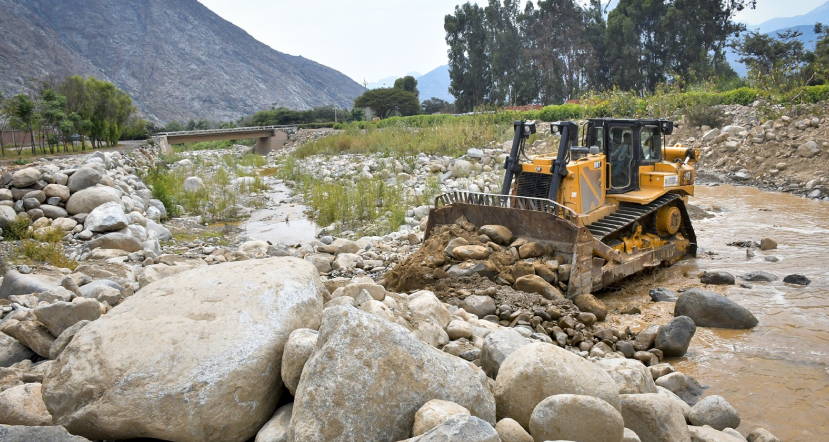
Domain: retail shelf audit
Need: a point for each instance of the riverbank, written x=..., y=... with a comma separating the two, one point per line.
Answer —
x=343, y=265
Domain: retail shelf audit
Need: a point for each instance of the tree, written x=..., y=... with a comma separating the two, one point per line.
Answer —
x=384, y=101
x=636, y=44
x=819, y=59
x=774, y=63
x=469, y=62
x=435, y=105
x=407, y=83
x=23, y=109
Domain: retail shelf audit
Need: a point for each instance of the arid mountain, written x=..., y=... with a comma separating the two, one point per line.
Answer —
x=177, y=59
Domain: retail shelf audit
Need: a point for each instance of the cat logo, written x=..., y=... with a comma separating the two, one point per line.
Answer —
x=538, y=169
x=687, y=177
x=597, y=164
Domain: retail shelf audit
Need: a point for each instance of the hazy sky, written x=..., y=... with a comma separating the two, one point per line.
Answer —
x=373, y=39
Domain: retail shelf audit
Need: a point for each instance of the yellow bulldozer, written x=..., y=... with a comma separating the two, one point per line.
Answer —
x=612, y=206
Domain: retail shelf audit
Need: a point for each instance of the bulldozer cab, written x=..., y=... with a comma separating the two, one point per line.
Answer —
x=627, y=145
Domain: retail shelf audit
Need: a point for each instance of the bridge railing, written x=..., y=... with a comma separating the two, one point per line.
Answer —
x=222, y=131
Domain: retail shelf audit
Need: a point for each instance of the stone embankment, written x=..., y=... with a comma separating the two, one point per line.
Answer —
x=466, y=337
x=785, y=152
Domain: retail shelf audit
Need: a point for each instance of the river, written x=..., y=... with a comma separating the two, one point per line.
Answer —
x=777, y=374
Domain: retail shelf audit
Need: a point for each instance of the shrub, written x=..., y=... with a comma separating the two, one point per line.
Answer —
x=17, y=230
x=704, y=115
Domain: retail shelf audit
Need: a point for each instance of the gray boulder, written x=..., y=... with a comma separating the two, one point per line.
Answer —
x=461, y=428
x=61, y=315
x=299, y=347
x=86, y=200
x=276, y=429
x=577, y=418
x=25, y=177
x=53, y=212
x=11, y=351
x=7, y=216
x=65, y=338
x=760, y=276
x=674, y=337
x=21, y=433
x=537, y=371
x=631, y=376
x=162, y=232
x=796, y=279
x=107, y=217
x=715, y=412
x=708, y=434
x=83, y=178
x=371, y=376
x=22, y=405
x=479, y=305
x=208, y=341
x=654, y=418
x=709, y=309
x=717, y=278
x=16, y=283
x=118, y=241
x=498, y=345
x=761, y=435
x=661, y=294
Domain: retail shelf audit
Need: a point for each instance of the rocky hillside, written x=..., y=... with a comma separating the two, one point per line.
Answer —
x=178, y=60
x=787, y=154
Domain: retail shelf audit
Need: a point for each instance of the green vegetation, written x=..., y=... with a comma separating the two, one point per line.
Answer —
x=405, y=137
x=66, y=114
x=224, y=184
x=398, y=100
x=42, y=246
x=323, y=116
x=368, y=206
x=212, y=145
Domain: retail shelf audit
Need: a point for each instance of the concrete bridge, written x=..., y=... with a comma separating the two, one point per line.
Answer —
x=268, y=138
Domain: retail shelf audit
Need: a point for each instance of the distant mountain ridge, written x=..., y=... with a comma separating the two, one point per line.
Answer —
x=817, y=15
x=178, y=60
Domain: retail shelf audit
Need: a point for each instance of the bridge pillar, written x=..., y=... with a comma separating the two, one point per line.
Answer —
x=264, y=145
x=164, y=147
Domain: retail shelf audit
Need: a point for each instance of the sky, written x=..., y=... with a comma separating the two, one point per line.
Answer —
x=368, y=40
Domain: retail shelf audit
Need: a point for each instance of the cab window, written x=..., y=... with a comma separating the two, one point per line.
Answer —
x=651, y=144
x=621, y=157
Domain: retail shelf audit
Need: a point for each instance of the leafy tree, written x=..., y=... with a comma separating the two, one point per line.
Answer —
x=636, y=44
x=408, y=84
x=23, y=109
x=435, y=105
x=819, y=59
x=774, y=63
x=385, y=101
x=469, y=61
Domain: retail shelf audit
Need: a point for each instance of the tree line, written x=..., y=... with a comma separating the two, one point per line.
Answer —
x=556, y=50
x=65, y=113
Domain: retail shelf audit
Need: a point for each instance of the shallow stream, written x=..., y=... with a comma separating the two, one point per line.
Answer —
x=776, y=375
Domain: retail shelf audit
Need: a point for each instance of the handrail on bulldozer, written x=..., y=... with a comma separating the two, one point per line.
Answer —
x=507, y=201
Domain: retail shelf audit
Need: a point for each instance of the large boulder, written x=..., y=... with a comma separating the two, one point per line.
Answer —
x=16, y=283
x=23, y=405
x=7, y=216
x=498, y=345
x=276, y=429
x=22, y=433
x=107, y=217
x=536, y=371
x=590, y=304
x=434, y=413
x=11, y=351
x=479, y=305
x=537, y=284
x=717, y=278
x=300, y=346
x=709, y=309
x=30, y=333
x=674, y=337
x=715, y=412
x=654, y=418
x=708, y=434
x=630, y=375
x=61, y=315
x=576, y=418
x=461, y=428
x=25, y=177
x=120, y=241
x=83, y=178
x=205, y=344
x=511, y=431
x=86, y=200
x=368, y=377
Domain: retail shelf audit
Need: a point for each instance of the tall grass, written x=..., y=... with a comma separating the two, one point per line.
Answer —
x=224, y=186
x=45, y=246
x=407, y=137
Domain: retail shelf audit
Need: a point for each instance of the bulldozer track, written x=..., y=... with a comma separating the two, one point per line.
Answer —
x=629, y=214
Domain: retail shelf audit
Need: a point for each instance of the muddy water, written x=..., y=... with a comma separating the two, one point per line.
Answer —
x=282, y=222
x=776, y=375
